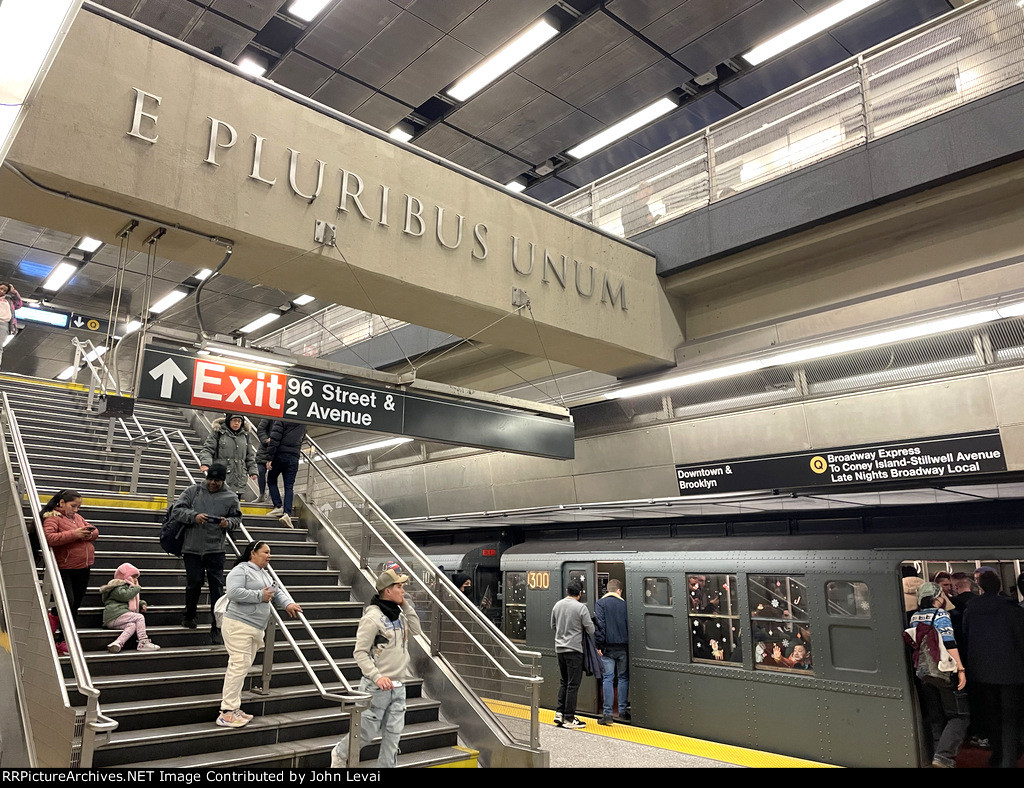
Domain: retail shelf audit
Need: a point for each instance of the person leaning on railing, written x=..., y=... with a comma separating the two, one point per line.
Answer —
x=250, y=591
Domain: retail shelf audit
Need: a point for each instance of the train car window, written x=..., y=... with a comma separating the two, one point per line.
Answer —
x=579, y=576
x=515, y=606
x=848, y=598
x=779, y=622
x=714, y=618
x=658, y=591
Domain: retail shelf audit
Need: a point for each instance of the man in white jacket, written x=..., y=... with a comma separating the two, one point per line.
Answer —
x=382, y=653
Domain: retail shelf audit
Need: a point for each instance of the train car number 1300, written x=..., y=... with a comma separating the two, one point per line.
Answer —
x=538, y=580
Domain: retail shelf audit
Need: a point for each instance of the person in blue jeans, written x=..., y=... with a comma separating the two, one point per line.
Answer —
x=283, y=452
x=612, y=640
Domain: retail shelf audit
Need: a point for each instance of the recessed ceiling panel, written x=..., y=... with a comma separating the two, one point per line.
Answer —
x=475, y=154
x=526, y=122
x=380, y=111
x=300, y=73
x=571, y=52
x=608, y=71
x=638, y=91
x=173, y=17
x=346, y=29
x=503, y=169
x=550, y=190
x=442, y=14
x=219, y=36
x=739, y=34
x=885, y=21
x=442, y=139
x=639, y=14
x=558, y=137
x=804, y=61
x=398, y=45
x=509, y=94
x=251, y=13
x=342, y=93
x=498, y=21
x=435, y=69
x=692, y=20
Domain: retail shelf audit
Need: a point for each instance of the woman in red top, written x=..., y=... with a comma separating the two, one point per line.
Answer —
x=71, y=538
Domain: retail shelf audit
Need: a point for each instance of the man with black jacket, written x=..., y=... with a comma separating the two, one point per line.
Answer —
x=283, y=452
x=209, y=511
x=612, y=638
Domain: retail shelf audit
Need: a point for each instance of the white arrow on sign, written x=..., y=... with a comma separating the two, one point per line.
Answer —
x=79, y=322
x=170, y=373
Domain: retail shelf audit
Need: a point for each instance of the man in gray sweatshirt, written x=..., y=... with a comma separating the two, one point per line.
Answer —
x=569, y=617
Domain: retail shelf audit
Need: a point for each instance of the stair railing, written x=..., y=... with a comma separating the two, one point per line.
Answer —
x=500, y=660
x=99, y=372
x=95, y=723
x=140, y=442
x=352, y=701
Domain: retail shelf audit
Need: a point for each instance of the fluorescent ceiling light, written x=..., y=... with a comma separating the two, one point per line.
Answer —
x=306, y=10
x=516, y=50
x=59, y=276
x=202, y=274
x=249, y=65
x=302, y=300
x=66, y=374
x=168, y=301
x=400, y=133
x=516, y=186
x=233, y=352
x=259, y=322
x=803, y=355
x=131, y=328
x=88, y=245
x=382, y=444
x=810, y=27
x=623, y=127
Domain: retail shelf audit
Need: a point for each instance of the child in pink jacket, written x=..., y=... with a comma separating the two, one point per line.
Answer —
x=123, y=608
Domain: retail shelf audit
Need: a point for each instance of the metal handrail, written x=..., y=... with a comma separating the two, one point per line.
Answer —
x=95, y=720
x=354, y=696
x=508, y=647
x=92, y=364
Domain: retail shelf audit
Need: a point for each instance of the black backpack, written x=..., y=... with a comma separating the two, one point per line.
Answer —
x=172, y=534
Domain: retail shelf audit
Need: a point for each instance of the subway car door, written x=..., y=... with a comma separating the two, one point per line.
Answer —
x=584, y=574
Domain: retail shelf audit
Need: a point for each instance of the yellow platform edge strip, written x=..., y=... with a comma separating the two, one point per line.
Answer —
x=157, y=502
x=53, y=384
x=725, y=753
x=469, y=762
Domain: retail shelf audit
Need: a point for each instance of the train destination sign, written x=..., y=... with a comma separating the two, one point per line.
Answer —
x=208, y=382
x=925, y=460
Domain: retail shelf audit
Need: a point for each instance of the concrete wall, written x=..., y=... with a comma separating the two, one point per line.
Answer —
x=139, y=125
x=640, y=463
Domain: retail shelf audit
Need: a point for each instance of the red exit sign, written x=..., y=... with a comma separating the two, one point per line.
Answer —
x=488, y=552
x=238, y=389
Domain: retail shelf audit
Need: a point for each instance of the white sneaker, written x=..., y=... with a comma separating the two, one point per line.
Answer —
x=338, y=762
x=286, y=520
x=148, y=645
x=114, y=647
x=558, y=719
x=231, y=719
x=276, y=512
x=576, y=722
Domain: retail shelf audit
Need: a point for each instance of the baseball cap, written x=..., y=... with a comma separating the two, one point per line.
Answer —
x=390, y=576
x=928, y=590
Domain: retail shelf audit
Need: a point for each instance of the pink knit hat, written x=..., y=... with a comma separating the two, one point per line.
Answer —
x=124, y=571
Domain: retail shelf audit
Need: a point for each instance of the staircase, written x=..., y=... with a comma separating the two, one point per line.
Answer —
x=165, y=702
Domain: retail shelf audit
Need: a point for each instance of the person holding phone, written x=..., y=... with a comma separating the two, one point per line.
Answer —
x=251, y=590
x=71, y=538
x=209, y=511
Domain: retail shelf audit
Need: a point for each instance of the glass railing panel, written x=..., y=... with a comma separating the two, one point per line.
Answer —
x=817, y=122
x=962, y=60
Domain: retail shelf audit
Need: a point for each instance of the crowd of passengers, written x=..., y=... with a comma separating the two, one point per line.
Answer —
x=978, y=695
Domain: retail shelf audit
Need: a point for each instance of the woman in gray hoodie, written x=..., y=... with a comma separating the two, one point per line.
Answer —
x=250, y=590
